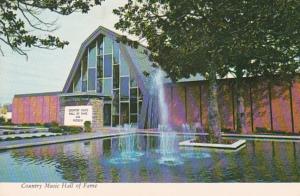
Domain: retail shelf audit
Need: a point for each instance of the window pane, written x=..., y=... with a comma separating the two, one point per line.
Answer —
x=124, y=118
x=140, y=94
x=100, y=67
x=92, y=56
x=116, y=76
x=77, y=81
x=92, y=79
x=84, y=68
x=116, y=102
x=100, y=45
x=107, y=114
x=115, y=120
x=133, y=107
x=140, y=106
x=108, y=45
x=124, y=70
x=124, y=88
x=107, y=87
x=107, y=66
x=133, y=82
x=99, y=85
x=133, y=93
x=84, y=86
x=116, y=53
x=133, y=118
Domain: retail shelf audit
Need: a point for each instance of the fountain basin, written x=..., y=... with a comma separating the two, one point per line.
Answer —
x=228, y=146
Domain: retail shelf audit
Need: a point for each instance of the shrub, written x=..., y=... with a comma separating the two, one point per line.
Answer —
x=71, y=129
x=52, y=124
x=2, y=120
x=55, y=129
x=262, y=130
x=87, y=126
x=8, y=122
x=9, y=139
x=226, y=130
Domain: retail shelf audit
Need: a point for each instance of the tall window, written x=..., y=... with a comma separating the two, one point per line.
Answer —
x=103, y=69
x=84, y=73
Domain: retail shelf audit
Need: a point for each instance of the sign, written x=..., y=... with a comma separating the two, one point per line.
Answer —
x=77, y=115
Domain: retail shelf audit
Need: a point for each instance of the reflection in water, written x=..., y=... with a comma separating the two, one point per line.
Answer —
x=90, y=162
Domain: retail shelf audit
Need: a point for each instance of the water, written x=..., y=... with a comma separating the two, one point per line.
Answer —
x=159, y=86
x=259, y=161
x=168, y=142
x=127, y=151
x=168, y=147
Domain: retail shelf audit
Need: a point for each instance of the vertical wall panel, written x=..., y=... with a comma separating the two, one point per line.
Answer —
x=26, y=103
x=296, y=105
x=204, y=100
x=225, y=105
x=21, y=111
x=193, y=103
x=33, y=109
x=247, y=105
x=168, y=98
x=178, y=106
x=261, y=106
x=39, y=109
x=281, y=110
x=46, y=112
x=57, y=109
x=53, y=108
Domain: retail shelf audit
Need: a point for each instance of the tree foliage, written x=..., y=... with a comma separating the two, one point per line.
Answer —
x=249, y=37
x=21, y=19
x=218, y=38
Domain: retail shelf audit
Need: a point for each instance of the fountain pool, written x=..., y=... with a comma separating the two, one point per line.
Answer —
x=259, y=161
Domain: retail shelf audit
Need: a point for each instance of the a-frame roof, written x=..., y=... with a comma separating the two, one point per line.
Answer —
x=141, y=59
x=100, y=30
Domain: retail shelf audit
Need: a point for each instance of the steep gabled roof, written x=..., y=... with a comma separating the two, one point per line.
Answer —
x=100, y=30
x=136, y=54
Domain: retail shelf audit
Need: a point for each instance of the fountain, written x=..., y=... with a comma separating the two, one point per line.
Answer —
x=163, y=109
x=168, y=147
x=168, y=142
x=127, y=147
x=188, y=131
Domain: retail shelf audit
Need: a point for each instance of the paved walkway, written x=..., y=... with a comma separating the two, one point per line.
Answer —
x=26, y=135
x=5, y=145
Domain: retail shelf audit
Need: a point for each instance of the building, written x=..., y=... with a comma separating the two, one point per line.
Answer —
x=109, y=85
x=6, y=112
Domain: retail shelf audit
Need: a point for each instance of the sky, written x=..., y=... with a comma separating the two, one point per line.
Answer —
x=47, y=70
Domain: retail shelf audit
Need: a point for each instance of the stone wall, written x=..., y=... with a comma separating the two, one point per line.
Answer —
x=97, y=122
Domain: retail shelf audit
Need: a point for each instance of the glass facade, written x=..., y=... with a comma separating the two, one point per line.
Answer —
x=104, y=70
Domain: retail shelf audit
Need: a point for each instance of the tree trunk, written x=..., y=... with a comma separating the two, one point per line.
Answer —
x=240, y=102
x=214, y=124
x=241, y=115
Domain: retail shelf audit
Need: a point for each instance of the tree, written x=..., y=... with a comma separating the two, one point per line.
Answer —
x=213, y=38
x=20, y=19
x=266, y=41
x=185, y=38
